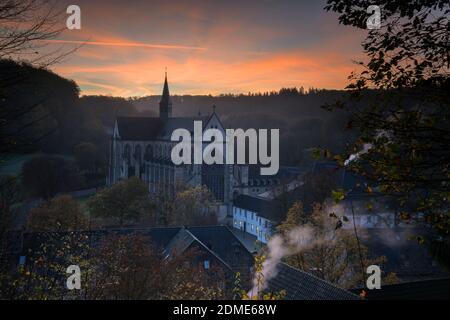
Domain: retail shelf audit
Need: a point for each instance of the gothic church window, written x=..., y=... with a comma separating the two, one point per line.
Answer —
x=127, y=152
x=137, y=153
x=148, y=153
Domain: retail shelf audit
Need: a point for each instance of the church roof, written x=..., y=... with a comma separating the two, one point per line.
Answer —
x=165, y=98
x=135, y=128
x=157, y=128
x=153, y=128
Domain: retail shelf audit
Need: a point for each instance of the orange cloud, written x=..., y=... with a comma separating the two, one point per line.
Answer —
x=200, y=74
x=124, y=44
x=208, y=49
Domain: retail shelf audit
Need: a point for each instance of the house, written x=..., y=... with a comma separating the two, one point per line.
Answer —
x=405, y=256
x=252, y=215
x=263, y=186
x=369, y=209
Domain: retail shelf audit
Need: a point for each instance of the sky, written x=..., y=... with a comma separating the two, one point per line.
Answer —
x=208, y=47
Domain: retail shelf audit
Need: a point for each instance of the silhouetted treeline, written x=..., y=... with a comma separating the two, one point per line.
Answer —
x=47, y=114
x=299, y=115
x=42, y=111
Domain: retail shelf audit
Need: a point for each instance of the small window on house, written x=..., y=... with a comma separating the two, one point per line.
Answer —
x=206, y=264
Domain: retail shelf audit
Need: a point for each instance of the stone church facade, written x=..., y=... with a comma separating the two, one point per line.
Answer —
x=141, y=147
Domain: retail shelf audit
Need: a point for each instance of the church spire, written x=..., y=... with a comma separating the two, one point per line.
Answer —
x=165, y=105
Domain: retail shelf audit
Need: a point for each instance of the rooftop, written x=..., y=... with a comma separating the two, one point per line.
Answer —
x=262, y=206
x=300, y=285
x=154, y=128
x=436, y=289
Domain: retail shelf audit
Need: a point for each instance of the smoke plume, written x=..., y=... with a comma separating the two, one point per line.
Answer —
x=295, y=241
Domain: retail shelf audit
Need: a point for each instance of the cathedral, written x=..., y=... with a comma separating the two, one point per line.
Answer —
x=141, y=147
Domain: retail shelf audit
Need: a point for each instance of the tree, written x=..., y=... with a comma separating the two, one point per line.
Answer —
x=61, y=213
x=130, y=267
x=259, y=290
x=193, y=206
x=45, y=176
x=87, y=156
x=125, y=267
x=116, y=267
x=186, y=279
x=9, y=194
x=333, y=254
x=126, y=201
x=25, y=24
x=44, y=276
x=295, y=217
x=399, y=105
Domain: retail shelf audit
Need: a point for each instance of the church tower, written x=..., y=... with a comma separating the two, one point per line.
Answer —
x=165, y=105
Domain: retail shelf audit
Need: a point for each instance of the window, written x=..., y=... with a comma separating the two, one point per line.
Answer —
x=22, y=260
x=206, y=264
x=148, y=153
x=137, y=153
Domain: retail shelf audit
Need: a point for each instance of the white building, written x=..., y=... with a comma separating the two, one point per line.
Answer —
x=369, y=213
x=252, y=215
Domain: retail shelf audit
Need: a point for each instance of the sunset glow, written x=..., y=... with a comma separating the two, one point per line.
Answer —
x=207, y=47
